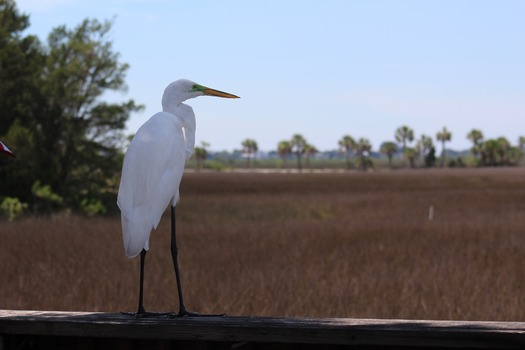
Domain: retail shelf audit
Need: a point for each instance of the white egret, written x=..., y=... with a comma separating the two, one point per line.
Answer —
x=152, y=171
x=5, y=150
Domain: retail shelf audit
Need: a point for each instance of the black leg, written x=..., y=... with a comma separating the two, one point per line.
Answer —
x=174, y=256
x=141, y=310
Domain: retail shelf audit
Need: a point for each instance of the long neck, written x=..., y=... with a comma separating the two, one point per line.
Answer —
x=186, y=115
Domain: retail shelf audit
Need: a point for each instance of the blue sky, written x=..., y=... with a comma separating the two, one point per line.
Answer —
x=320, y=68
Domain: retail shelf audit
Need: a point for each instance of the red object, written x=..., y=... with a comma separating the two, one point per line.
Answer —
x=5, y=150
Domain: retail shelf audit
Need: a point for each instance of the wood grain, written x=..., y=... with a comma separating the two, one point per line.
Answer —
x=342, y=331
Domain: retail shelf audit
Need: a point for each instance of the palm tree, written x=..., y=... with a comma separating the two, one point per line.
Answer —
x=424, y=144
x=443, y=136
x=298, y=143
x=200, y=154
x=515, y=155
x=410, y=154
x=346, y=145
x=404, y=135
x=430, y=158
x=423, y=148
x=249, y=147
x=363, y=148
x=309, y=150
x=489, y=151
x=388, y=148
x=476, y=136
x=284, y=149
x=503, y=150
x=521, y=143
x=495, y=152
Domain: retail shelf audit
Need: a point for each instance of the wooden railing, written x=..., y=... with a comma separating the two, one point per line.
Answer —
x=94, y=330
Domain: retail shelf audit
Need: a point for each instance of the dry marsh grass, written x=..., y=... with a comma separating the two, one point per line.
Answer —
x=317, y=245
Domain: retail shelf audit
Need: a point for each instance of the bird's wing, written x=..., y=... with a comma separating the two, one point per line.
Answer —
x=151, y=174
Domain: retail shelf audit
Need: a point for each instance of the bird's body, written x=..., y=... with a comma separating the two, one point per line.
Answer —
x=152, y=172
x=145, y=192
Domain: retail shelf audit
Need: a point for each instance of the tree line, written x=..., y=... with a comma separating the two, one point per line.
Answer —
x=416, y=152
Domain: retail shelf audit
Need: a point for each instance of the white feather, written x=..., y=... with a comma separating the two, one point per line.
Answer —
x=151, y=175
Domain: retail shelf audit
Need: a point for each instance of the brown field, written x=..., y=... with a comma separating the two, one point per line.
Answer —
x=317, y=245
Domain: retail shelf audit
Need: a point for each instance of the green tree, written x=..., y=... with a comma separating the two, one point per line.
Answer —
x=489, y=151
x=284, y=149
x=515, y=155
x=81, y=133
x=476, y=136
x=424, y=147
x=298, y=143
x=347, y=144
x=404, y=135
x=503, y=149
x=249, y=148
x=309, y=151
x=410, y=154
x=443, y=136
x=68, y=136
x=388, y=148
x=363, y=148
x=430, y=157
x=200, y=154
x=21, y=68
x=21, y=64
x=497, y=152
x=521, y=143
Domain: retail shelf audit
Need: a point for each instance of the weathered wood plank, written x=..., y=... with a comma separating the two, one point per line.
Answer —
x=344, y=331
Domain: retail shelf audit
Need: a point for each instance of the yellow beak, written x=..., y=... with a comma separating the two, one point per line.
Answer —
x=212, y=92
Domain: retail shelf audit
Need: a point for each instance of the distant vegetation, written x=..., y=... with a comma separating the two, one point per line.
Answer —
x=70, y=143
x=348, y=153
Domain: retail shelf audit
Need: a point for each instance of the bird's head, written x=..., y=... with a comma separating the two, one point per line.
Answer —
x=183, y=89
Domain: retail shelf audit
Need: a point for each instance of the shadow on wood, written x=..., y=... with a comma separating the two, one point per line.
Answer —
x=95, y=330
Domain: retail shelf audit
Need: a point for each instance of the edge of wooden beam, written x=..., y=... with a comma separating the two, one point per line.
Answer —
x=349, y=331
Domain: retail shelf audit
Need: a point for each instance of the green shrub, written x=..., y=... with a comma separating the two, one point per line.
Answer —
x=45, y=199
x=11, y=208
x=92, y=207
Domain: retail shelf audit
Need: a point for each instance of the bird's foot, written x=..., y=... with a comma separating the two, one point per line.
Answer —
x=185, y=313
x=142, y=313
